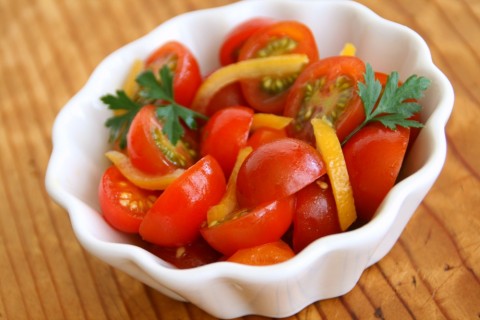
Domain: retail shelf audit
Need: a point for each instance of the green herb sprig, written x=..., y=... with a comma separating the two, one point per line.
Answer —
x=396, y=105
x=152, y=91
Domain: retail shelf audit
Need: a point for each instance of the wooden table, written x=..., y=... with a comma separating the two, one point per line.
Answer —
x=48, y=48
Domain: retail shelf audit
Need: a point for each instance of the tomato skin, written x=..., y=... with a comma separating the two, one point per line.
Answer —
x=175, y=218
x=350, y=70
x=235, y=39
x=262, y=136
x=374, y=156
x=186, y=72
x=123, y=204
x=195, y=254
x=257, y=98
x=265, y=223
x=229, y=96
x=315, y=214
x=225, y=134
x=143, y=150
x=276, y=170
x=263, y=255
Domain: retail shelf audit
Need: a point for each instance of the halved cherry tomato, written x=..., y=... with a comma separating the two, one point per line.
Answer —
x=225, y=133
x=326, y=89
x=123, y=204
x=374, y=156
x=186, y=72
x=234, y=40
x=228, y=96
x=175, y=218
x=268, y=94
x=195, y=254
x=263, y=255
x=248, y=228
x=315, y=215
x=263, y=135
x=151, y=151
x=276, y=170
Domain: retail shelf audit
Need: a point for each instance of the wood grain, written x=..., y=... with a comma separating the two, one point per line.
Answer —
x=48, y=48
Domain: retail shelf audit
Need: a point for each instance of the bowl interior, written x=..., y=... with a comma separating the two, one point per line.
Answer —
x=80, y=137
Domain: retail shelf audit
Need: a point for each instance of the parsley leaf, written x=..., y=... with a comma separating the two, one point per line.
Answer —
x=396, y=104
x=120, y=123
x=152, y=91
x=169, y=112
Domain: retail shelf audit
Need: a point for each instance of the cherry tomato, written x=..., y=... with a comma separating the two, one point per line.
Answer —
x=229, y=96
x=262, y=255
x=284, y=37
x=265, y=135
x=175, y=218
x=315, y=215
x=374, y=156
x=225, y=134
x=248, y=228
x=234, y=40
x=123, y=204
x=186, y=72
x=195, y=254
x=326, y=89
x=276, y=170
x=149, y=148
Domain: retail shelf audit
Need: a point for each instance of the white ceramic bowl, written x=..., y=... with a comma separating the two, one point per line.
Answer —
x=327, y=268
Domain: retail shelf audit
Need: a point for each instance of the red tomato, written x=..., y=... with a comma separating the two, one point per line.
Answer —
x=225, y=133
x=326, y=88
x=315, y=214
x=122, y=203
x=265, y=254
x=374, y=156
x=248, y=228
x=237, y=36
x=285, y=37
x=186, y=72
x=195, y=254
x=149, y=148
x=229, y=96
x=276, y=170
x=175, y=218
x=262, y=136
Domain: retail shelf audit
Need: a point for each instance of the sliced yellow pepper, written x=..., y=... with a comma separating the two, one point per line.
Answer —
x=269, y=120
x=246, y=69
x=131, y=86
x=349, y=49
x=330, y=149
x=229, y=201
x=139, y=178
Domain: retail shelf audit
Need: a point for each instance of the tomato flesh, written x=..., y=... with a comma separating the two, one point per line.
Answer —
x=149, y=148
x=230, y=48
x=315, y=214
x=195, y=254
x=123, y=204
x=225, y=134
x=326, y=89
x=186, y=72
x=263, y=255
x=285, y=37
x=176, y=216
x=276, y=170
x=374, y=156
x=248, y=228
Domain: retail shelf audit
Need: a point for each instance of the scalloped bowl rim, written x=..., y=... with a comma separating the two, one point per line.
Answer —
x=173, y=282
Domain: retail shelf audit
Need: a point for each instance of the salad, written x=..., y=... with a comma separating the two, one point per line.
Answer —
x=250, y=164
